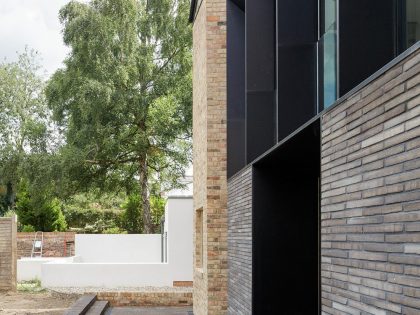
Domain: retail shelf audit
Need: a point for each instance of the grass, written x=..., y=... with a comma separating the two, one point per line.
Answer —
x=32, y=286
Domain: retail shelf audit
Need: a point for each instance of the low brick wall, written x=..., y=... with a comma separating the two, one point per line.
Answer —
x=178, y=298
x=56, y=244
x=8, y=254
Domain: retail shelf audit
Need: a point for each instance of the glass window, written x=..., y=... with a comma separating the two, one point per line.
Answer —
x=413, y=22
x=328, y=55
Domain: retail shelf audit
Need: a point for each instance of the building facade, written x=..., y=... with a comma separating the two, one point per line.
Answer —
x=309, y=110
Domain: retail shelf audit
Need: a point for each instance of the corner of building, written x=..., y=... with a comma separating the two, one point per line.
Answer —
x=210, y=155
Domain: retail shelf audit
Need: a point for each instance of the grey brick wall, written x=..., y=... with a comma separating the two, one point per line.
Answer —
x=240, y=243
x=370, y=200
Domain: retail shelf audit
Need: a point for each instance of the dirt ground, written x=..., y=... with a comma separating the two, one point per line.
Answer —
x=28, y=303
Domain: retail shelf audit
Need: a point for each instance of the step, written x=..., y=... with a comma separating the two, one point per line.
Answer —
x=82, y=305
x=98, y=308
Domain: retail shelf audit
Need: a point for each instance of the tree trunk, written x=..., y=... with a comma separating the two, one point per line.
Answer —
x=145, y=198
x=10, y=195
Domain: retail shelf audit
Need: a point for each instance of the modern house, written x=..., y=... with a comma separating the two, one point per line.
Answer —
x=306, y=156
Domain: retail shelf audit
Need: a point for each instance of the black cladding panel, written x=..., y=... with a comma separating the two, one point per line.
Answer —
x=260, y=77
x=297, y=34
x=235, y=88
x=261, y=117
x=296, y=87
x=260, y=44
x=367, y=31
x=297, y=21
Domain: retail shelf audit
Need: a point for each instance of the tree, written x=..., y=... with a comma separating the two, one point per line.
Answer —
x=43, y=214
x=124, y=96
x=28, y=147
x=24, y=120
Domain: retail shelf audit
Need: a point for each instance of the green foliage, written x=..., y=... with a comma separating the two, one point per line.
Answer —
x=6, y=198
x=124, y=96
x=157, y=206
x=28, y=228
x=31, y=286
x=42, y=213
x=132, y=217
x=114, y=230
x=27, y=145
x=9, y=213
x=24, y=114
x=92, y=212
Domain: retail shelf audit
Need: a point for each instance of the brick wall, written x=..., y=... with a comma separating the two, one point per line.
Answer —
x=178, y=298
x=370, y=200
x=209, y=149
x=54, y=244
x=240, y=243
x=8, y=254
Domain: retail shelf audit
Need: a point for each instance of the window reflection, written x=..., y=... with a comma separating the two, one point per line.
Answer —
x=328, y=55
x=413, y=22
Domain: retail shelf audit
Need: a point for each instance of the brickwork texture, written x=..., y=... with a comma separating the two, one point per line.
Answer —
x=209, y=150
x=8, y=261
x=370, y=197
x=176, y=298
x=56, y=244
x=240, y=243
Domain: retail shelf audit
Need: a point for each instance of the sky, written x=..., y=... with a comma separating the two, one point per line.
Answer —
x=33, y=23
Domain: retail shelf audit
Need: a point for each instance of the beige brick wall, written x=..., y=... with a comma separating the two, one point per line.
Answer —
x=179, y=298
x=370, y=199
x=8, y=249
x=56, y=244
x=209, y=127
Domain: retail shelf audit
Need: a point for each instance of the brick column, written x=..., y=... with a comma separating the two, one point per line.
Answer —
x=210, y=184
x=8, y=249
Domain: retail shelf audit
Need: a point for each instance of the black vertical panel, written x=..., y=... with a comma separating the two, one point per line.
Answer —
x=260, y=76
x=235, y=88
x=367, y=39
x=297, y=34
x=285, y=228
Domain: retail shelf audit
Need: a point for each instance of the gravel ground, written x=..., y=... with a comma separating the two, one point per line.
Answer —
x=121, y=289
x=27, y=303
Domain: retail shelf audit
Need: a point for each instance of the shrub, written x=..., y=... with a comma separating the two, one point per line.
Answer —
x=28, y=228
x=132, y=220
x=42, y=213
x=91, y=220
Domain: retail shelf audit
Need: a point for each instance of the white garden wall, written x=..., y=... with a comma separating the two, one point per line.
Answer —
x=30, y=268
x=118, y=248
x=110, y=261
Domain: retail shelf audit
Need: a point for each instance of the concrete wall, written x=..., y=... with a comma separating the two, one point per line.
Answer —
x=85, y=273
x=8, y=254
x=119, y=248
x=56, y=244
x=371, y=197
x=240, y=243
x=210, y=154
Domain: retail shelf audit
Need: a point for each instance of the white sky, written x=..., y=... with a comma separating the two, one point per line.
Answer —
x=33, y=23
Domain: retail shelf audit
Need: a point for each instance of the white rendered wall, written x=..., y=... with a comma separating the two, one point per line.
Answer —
x=30, y=268
x=105, y=275
x=179, y=226
x=118, y=248
x=180, y=237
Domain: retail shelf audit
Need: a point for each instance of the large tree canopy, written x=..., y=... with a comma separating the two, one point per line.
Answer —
x=124, y=96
